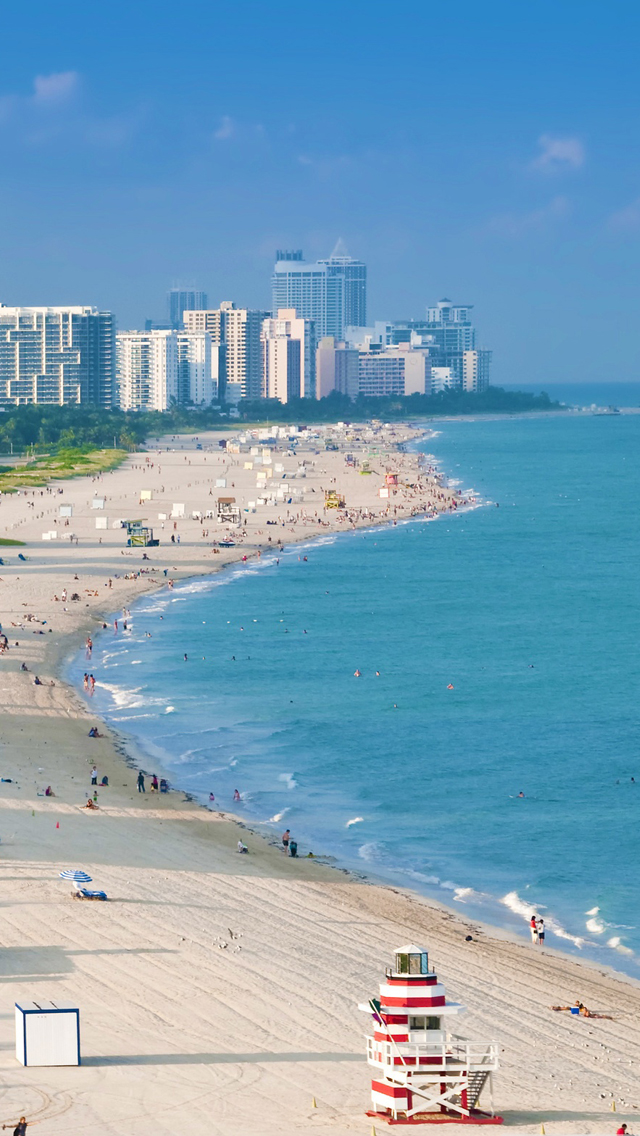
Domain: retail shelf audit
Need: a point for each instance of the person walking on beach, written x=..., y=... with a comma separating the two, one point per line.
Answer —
x=141, y=788
x=94, y=776
x=541, y=932
x=533, y=924
x=285, y=840
x=20, y=1128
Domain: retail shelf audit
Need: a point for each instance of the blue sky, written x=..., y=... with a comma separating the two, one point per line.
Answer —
x=487, y=152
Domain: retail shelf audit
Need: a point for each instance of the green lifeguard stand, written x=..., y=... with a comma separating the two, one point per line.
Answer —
x=139, y=536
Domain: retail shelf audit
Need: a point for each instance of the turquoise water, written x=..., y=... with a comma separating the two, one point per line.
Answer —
x=530, y=610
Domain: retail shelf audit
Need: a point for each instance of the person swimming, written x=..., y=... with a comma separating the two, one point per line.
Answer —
x=357, y=674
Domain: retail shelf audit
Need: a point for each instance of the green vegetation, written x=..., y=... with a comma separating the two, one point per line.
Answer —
x=40, y=429
x=6, y=543
x=64, y=463
x=78, y=430
x=337, y=407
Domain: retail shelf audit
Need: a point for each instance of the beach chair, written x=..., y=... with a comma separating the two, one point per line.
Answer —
x=21, y=557
x=85, y=893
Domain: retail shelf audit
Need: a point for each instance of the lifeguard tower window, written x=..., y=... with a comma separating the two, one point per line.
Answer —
x=412, y=963
x=424, y=1023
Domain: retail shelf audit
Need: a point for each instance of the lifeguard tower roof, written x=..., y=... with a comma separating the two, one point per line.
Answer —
x=410, y=950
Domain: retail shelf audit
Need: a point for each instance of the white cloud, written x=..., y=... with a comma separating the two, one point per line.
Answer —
x=559, y=154
x=226, y=129
x=45, y=116
x=626, y=220
x=537, y=220
x=50, y=92
x=55, y=89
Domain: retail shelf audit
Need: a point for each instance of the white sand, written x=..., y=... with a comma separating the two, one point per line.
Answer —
x=187, y=1027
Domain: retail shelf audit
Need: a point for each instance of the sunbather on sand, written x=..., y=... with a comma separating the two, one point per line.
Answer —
x=579, y=1008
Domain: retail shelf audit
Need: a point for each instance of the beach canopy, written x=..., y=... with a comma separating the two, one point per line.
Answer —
x=76, y=875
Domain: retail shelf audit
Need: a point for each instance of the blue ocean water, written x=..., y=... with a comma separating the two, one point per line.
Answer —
x=529, y=609
x=586, y=394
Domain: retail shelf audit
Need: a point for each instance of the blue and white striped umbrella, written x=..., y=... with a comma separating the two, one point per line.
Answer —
x=76, y=875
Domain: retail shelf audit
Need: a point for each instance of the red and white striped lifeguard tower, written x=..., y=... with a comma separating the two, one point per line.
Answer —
x=423, y=1072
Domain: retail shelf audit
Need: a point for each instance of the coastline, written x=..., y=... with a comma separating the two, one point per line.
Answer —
x=491, y=912
x=507, y=984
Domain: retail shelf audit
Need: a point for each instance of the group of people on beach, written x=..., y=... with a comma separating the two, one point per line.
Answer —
x=290, y=846
x=155, y=786
x=536, y=925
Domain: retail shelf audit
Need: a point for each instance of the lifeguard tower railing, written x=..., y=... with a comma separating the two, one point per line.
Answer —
x=457, y=1054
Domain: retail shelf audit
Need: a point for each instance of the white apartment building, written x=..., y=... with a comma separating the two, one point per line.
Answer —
x=476, y=370
x=331, y=292
x=400, y=370
x=198, y=365
x=236, y=333
x=56, y=356
x=442, y=378
x=288, y=356
x=157, y=369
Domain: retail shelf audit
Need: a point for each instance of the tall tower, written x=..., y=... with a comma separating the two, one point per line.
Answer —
x=422, y=1071
x=331, y=292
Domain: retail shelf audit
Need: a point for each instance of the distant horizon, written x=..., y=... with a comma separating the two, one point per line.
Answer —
x=501, y=175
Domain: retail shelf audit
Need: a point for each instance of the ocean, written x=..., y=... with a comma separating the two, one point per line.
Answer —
x=586, y=394
x=506, y=641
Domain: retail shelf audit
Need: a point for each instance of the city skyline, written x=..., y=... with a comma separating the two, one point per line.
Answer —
x=486, y=173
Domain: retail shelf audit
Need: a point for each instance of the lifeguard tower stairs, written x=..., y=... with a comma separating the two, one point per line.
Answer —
x=423, y=1073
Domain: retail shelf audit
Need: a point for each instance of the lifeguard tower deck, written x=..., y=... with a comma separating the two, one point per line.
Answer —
x=423, y=1073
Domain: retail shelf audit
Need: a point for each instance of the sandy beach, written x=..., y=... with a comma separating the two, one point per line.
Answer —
x=218, y=992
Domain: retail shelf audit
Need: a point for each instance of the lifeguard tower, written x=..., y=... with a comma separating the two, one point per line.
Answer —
x=333, y=499
x=228, y=512
x=422, y=1072
x=139, y=535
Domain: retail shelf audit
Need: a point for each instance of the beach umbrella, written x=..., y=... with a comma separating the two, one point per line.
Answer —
x=76, y=876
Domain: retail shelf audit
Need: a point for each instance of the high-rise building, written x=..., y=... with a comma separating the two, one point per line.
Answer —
x=337, y=368
x=57, y=356
x=180, y=300
x=449, y=335
x=159, y=369
x=147, y=369
x=450, y=327
x=400, y=370
x=237, y=331
x=476, y=366
x=332, y=292
x=288, y=356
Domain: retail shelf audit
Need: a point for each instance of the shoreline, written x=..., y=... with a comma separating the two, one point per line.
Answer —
x=210, y=1015
x=135, y=756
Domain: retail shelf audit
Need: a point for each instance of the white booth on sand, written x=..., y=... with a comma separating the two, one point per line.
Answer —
x=47, y=1033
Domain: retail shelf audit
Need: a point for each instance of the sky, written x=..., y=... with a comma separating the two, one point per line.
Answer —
x=487, y=152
